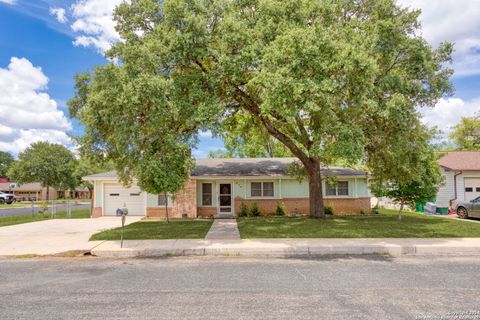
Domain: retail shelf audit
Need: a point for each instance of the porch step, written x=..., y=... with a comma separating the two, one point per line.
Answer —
x=224, y=216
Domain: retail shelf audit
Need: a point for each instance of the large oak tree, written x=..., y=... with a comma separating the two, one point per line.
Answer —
x=329, y=79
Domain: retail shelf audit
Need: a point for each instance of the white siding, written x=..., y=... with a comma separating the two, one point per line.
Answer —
x=446, y=192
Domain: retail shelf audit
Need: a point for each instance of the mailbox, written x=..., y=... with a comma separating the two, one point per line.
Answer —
x=122, y=212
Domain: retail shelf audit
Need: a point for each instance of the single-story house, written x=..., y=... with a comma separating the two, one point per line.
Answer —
x=35, y=191
x=461, y=170
x=218, y=187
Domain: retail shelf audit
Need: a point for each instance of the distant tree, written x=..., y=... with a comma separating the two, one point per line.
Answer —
x=85, y=167
x=244, y=137
x=52, y=165
x=417, y=176
x=6, y=160
x=466, y=134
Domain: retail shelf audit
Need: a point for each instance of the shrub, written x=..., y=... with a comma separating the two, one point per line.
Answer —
x=255, y=211
x=375, y=210
x=329, y=210
x=280, y=211
x=243, y=210
x=43, y=207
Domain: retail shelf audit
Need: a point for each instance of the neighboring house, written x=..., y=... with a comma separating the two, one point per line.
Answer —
x=217, y=187
x=34, y=191
x=461, y=170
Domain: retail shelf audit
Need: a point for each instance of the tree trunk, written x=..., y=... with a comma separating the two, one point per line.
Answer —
x=400, y=211
x=317, y=207
x=166, y=208
x=48, y=193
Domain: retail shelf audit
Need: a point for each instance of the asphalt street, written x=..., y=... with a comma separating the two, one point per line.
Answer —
x=22, y=211
x=369, y=287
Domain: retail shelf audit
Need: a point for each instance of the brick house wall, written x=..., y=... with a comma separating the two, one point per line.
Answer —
x=185, y=203
x=96, y=212
x=302, y=205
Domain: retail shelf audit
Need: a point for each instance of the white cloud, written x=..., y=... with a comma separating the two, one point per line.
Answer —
x=455, y=21
x=59, y=13
x=8, y=1
x=93, y=22
x=448, y=112
x=28, y=114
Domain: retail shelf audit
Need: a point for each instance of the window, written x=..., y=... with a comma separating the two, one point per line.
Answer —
x=134, y=194
x=337, y=189
x=468, y=189
x=478, y=189
x=268, y=189
x=162, y=200
x=261, y=189
x=114, y=194
x=206, y=194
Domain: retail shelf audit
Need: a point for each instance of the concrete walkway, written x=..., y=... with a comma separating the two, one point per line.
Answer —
x=55, y=236
x=290, y=247
x=223, y=229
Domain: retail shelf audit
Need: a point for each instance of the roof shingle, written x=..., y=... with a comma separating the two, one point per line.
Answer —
x=461, y=160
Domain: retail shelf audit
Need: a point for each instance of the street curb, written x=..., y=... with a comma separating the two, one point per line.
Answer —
x=290, y=251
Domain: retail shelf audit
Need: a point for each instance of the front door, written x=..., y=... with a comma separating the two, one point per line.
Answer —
x=225, y=198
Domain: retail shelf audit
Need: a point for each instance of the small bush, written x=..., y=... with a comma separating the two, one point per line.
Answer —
x=255, y=211
x=280, y=211
x=243, y=210
x=43, y=207
x=375, y=210
x=329, y=210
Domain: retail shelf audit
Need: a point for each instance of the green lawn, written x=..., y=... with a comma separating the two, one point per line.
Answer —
x=383, y=225
x=150, y=230
x=76, y=214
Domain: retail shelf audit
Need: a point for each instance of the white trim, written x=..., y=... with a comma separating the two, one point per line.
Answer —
x=233, y=178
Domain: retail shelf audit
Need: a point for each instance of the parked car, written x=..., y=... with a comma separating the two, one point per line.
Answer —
x=469, y=209
x=7, y=198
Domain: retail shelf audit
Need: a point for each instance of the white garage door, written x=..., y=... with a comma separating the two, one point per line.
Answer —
x=117, y=196
x=472, y=188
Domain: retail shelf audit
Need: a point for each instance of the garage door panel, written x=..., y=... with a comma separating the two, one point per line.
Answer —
x=117, y=196
x=472, y=188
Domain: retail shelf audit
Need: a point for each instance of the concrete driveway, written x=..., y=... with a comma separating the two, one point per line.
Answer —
x=54, y=236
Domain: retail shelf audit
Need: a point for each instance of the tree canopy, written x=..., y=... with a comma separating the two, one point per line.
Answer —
x=52, y=165
x=466, y=134
x=6, y=160
x=330, y=80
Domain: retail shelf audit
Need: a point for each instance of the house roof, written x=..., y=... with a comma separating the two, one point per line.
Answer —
x=257, y=167
x=461, y=160
x=35, y=186
x=244, y=167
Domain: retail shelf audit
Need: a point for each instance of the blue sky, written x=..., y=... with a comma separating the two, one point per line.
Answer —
x=44, y=43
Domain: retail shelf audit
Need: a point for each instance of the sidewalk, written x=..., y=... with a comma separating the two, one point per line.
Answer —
x=289, y=247
x=223, y=229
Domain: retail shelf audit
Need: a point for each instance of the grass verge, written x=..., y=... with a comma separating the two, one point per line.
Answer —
x=153, y=230
x=25, y=218
x=382, y=225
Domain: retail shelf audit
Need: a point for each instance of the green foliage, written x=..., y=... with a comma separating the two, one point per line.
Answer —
x=255, y=210
x=328, y=81
x=243, y=210
x=418, y=184
x=466, y=134
x=52, y=165
x=6, y=160
x=87, y=167
x=329, y=210
x=280, y=210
